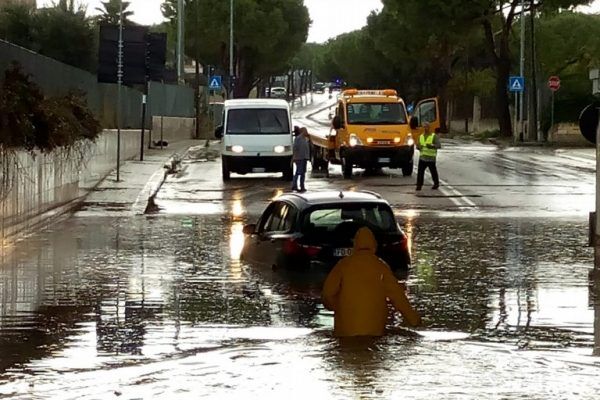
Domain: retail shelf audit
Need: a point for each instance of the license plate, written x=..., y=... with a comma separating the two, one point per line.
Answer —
x=384, y=142
x=384, y=160
x=258, y=170
x=342, y=252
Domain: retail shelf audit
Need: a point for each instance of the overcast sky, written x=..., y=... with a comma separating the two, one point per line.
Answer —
x=330, y=17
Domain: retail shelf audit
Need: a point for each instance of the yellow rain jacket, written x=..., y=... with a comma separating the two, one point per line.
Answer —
x=357, y=289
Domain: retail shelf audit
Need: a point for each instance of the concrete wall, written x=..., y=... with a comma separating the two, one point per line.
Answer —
x=35, y=187
x=173, y=128
x=567, y=135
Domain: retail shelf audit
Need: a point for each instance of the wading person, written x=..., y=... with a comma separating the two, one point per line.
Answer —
x=428, y=145
x=300, y=157
x=358, y=288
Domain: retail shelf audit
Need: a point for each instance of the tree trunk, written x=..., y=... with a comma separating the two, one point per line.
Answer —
x=197, y=99
x=501, y=58
x=502, y=98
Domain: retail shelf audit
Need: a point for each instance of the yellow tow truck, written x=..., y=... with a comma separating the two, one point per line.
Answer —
x=371, y=129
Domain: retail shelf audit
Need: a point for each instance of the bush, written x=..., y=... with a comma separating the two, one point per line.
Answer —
x=30, y=121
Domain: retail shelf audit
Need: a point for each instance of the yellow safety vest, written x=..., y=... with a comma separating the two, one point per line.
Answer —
x=426, y=152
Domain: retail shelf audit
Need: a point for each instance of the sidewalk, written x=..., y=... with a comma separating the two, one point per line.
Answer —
x=139, y=180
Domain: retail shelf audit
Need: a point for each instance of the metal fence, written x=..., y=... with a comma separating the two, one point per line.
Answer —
x=56, y=78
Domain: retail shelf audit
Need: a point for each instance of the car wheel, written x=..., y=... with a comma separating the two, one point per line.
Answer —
x=407, y=170
x=225, y=169
x=346, y=168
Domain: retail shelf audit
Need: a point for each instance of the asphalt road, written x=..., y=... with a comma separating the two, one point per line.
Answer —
x=477, y=180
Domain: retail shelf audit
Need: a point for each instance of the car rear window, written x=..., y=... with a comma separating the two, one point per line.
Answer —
x=348, y=218
x=253, y=121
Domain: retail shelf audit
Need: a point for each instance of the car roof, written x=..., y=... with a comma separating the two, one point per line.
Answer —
x=305, y=200
x=256, y=103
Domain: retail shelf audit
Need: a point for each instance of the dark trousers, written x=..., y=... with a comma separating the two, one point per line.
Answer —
x=300, y=174
x=423, y=165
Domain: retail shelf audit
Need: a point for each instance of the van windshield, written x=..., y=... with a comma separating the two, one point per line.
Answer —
x=250, y=121
x=376, y=114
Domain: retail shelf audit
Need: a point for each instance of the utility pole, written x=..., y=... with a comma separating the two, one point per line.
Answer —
x=534, y=133
x=231, y=71
x=180, y=39
x=522, y=70
x=119, y=85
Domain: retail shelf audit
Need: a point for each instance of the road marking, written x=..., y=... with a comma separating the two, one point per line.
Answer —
x=461, y=200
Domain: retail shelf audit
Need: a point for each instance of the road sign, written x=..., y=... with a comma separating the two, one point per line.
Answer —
x=215, y=82
x=516, y=84
x=588, y=122
x=554, y=83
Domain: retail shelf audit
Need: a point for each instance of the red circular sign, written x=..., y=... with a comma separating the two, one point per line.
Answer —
x=554, y=83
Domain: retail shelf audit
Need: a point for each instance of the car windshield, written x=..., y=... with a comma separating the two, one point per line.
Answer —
x=257, y=120
x=376, y=114
x=345, y=219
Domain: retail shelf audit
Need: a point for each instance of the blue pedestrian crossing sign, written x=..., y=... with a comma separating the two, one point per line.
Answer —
x=516, y=84
x=214, y=83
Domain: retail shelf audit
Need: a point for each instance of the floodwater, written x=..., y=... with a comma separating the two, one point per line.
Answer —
x=161, y=307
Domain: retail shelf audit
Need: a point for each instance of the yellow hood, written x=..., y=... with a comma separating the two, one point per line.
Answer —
x=364, y=241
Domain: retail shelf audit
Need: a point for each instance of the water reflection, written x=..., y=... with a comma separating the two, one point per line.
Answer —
x=115, y=293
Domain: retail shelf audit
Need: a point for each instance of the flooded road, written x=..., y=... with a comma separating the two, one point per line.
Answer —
x=110, y=305
x=161, y=307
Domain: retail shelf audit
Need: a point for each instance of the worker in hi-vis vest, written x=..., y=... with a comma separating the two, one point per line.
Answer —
x=428, y=145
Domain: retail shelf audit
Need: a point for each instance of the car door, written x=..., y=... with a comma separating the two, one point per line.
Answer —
x=272, y=231
x=255, y=244
x=426, y=111
x=341, y=135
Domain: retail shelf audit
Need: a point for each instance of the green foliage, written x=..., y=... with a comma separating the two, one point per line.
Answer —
x=62, y=32
x=474, y=83
x=30, y=121
x=267, y=35
x=111, y=12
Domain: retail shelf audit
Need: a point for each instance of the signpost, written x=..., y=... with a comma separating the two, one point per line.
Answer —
x=554, y=85
x=516, y=85
x=215, y=82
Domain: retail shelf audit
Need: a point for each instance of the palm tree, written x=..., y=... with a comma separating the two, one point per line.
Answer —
x=110, y=12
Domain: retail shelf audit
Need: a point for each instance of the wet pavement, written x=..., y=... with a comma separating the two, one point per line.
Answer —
x=161, y=307
x=114, y=305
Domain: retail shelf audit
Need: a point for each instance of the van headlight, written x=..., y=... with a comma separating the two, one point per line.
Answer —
x=354, y=141
x=410, y=141
x=279, y=149
x=237, y=149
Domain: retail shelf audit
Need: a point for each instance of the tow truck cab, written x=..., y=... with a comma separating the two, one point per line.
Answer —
x=373, y=130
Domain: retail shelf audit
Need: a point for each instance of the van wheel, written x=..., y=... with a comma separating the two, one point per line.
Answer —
x=346, y=168
x=407, y=170
x=225, y=169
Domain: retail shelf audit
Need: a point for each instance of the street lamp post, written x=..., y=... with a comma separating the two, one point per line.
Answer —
x=231, y=72
x=119, y=85
x=180, y=39
x=522, y=71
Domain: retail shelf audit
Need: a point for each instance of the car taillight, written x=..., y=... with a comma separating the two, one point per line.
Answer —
x=292, y=247
x=311, y=251
x=400, y=245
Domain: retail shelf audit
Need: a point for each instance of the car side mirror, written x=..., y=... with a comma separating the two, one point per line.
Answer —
x=249, y=229
x=414, y=122
x=219, y=132
x=337, y=122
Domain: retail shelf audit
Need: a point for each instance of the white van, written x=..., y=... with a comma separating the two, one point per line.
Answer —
x=256, y=136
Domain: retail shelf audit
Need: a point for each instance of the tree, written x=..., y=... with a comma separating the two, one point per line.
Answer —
x=62, y=32
x=66, y=35
x=111, y=12
x=16, y=24
x=268, y=33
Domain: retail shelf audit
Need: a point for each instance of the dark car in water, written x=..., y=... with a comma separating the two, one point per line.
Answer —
x=317, y=229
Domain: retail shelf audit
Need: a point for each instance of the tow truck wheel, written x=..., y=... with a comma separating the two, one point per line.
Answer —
x=407, y=170
x=346, y=168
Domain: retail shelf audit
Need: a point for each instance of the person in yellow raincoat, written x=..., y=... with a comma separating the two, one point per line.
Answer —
x=357, y=289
